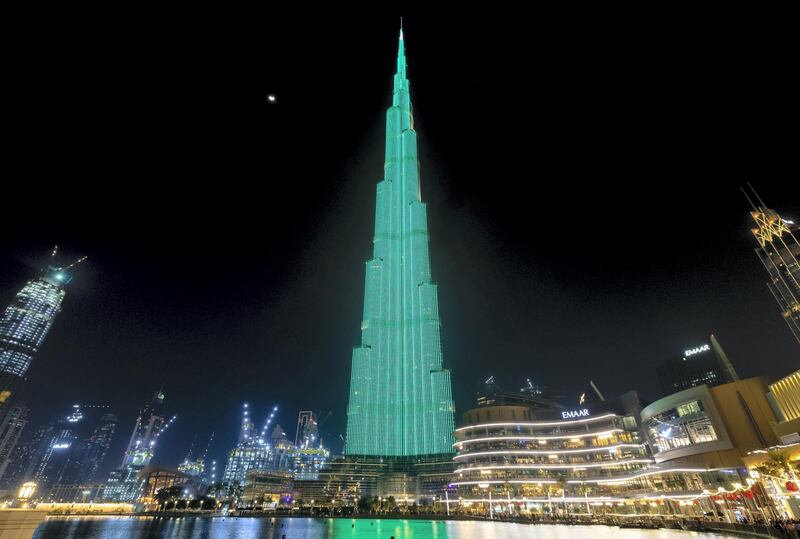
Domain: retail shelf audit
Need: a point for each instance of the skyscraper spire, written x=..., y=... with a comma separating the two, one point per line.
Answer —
x=400, y=396
x=401, y=62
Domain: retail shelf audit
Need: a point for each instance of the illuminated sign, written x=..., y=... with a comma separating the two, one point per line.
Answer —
x=60, y=446
x=575, y=413
x=693, y=351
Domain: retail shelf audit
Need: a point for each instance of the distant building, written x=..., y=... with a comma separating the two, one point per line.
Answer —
x=306, y=462
x=11, y=429
x=702, y=363
x=195, y=468
x=532, y=397
x=308, y=455
x=242, y=459
x=73, y=448
x=124, y=484
x=155, y=478
x=149, y=424
x=80, y=493
x=25, y=323
x=267, y=487
x=779, y=251
x=95, y=449
x=306, y=433
x=251, y=452
x=57, y=456
x=25, y=456
x=280, y=450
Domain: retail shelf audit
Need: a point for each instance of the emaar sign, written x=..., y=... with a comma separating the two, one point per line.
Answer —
x=569, y=414
x=693, y=351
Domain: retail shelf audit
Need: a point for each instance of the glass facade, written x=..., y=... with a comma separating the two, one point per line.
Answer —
x=243, y=459
x=11, y=428
x=400, y=396
x=27, y=320
x=254, y=452
x=686, y=424
x=779, y=251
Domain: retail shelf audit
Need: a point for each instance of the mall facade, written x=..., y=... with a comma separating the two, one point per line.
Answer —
x=683, y=455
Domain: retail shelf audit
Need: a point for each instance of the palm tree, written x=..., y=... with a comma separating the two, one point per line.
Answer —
x=776, y=465
x=167, y=494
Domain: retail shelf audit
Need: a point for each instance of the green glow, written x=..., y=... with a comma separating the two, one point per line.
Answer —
x=400, y=396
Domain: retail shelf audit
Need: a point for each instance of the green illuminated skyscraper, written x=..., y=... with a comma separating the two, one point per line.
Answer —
x=400, y=396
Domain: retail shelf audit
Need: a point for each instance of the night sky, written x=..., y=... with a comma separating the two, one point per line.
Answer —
x=582, y=188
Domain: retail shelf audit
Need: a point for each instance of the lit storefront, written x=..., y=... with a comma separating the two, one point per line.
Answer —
x=777, y=471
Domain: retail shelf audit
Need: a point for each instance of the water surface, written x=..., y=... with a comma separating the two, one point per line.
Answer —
x=333, y=528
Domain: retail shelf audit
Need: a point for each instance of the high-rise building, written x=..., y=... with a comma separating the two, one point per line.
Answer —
x=306, y=433
x=779, y=251
x=280, y=450
x=703, y=363
x=400, y=395
x=11, y=428
x=25, y=456
x=92, y=451
x=58, y=449
x=124, y=484
x=196, y=466
x=251, y=452
x=25, y=323
x=149, y=424
x=73, y=449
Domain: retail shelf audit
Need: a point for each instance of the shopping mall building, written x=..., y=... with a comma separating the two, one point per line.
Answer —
x=520, y=454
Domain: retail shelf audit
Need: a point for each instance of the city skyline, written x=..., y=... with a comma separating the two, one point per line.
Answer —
x=249, y=323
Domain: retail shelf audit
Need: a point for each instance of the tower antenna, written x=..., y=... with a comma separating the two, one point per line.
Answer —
x=757, y=197
x=748, y=198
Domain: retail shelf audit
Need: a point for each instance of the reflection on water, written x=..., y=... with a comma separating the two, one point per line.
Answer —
x=334, y=528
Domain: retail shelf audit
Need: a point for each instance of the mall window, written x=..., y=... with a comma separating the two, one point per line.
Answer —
x=684, y=425
x=689, y=408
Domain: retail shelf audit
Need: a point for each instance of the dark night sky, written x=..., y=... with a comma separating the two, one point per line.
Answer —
x=585, y=216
